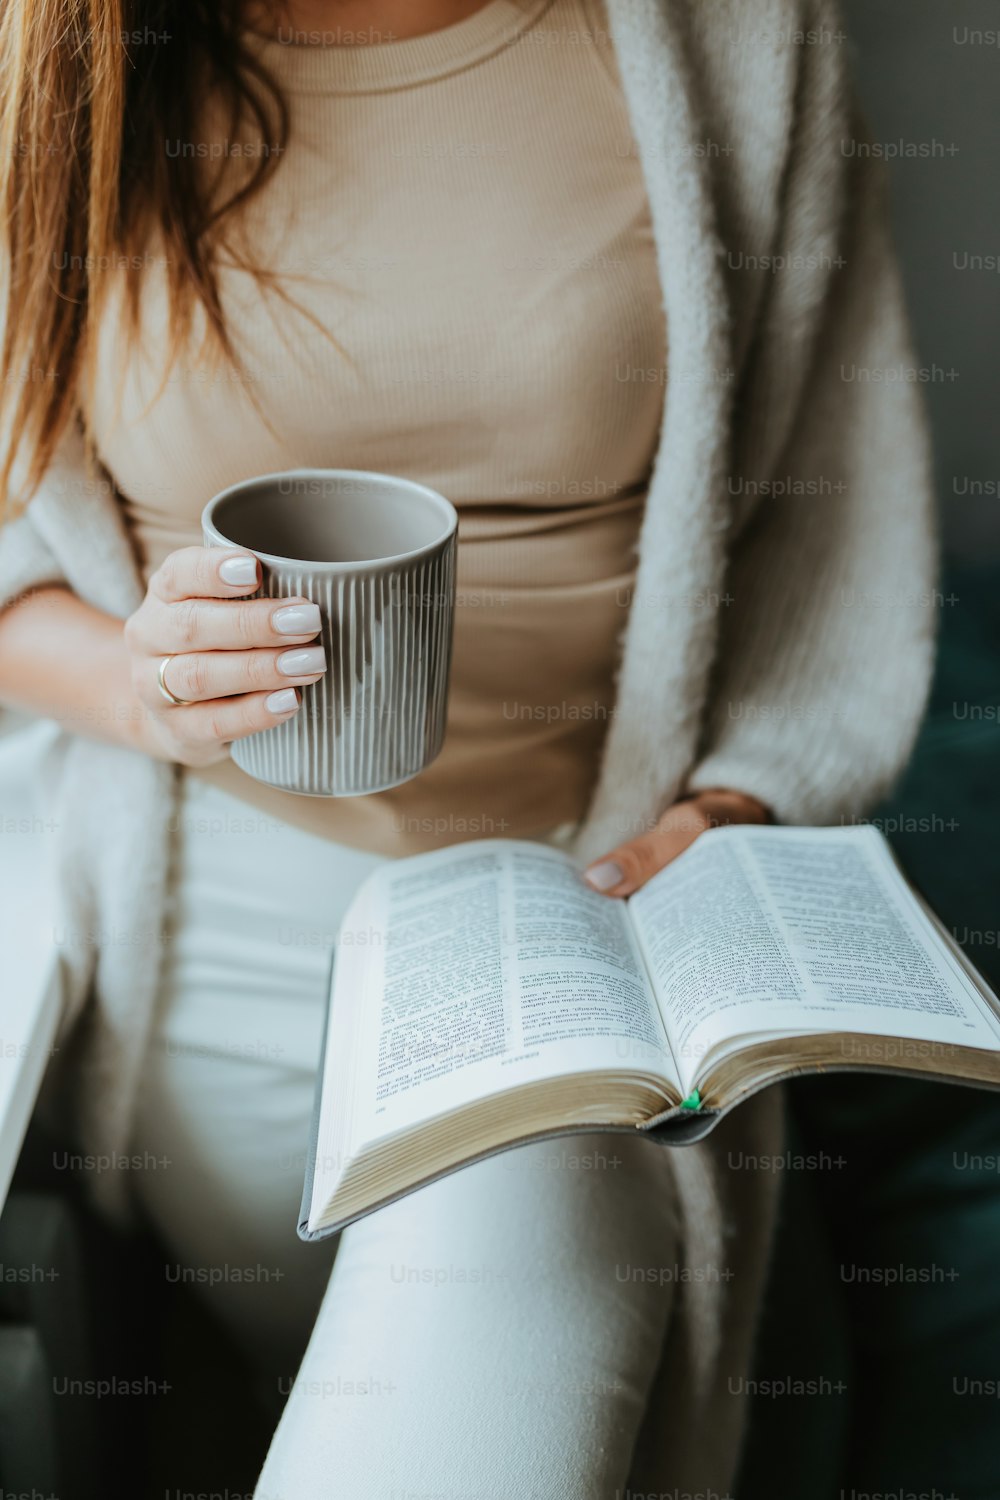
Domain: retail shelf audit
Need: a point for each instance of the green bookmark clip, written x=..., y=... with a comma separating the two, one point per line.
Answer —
x=693, y=1100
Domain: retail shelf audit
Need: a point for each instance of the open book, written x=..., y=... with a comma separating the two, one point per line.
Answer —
x=483, y=996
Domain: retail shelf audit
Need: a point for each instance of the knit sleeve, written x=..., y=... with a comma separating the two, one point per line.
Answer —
x=27, y=560
x=826, y=644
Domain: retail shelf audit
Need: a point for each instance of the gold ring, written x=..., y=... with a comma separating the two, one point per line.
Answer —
x=171, y=698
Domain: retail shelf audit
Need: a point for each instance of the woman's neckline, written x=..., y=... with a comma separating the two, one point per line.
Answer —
x=303, y=62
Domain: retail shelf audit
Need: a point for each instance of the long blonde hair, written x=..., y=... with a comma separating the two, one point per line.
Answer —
x=91, y=93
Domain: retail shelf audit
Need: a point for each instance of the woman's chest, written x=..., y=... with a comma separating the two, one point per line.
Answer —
x=469, y=296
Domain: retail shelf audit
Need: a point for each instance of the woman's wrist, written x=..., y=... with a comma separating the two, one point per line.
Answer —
x=61, y=659
x=107, y=707
x=128, y=718
x=722, y=805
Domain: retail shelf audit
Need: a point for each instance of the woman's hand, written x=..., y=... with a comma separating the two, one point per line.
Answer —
x=629, y=866
x=237, y=661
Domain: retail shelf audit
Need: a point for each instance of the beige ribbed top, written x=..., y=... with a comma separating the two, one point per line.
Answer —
x=464, y=214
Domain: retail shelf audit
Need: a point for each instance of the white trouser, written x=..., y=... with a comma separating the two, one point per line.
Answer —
x=498, y=1334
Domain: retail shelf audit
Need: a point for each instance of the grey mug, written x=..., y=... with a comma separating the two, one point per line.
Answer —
x=377, y=555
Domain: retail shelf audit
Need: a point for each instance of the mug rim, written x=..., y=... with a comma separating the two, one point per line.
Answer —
x=276, y=559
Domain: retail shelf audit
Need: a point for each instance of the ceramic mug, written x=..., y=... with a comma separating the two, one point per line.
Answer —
x=377, y=555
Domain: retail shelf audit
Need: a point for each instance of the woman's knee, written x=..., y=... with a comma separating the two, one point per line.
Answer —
x=573, y=1200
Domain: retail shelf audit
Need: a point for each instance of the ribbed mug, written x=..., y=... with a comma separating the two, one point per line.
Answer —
x=377, y=555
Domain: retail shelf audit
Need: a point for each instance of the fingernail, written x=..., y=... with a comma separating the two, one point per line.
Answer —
x=282, y=702
x=238, y=570
x=605, y=876
x=296, y=619
x=302, y=662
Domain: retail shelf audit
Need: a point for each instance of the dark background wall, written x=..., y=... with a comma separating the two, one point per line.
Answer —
x=924, y=77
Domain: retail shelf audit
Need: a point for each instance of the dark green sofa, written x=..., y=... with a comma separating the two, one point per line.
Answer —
x=911, y=1182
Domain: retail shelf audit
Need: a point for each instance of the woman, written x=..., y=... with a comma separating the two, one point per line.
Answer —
x=439, y=239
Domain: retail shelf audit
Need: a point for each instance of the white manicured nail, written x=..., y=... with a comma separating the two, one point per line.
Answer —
x=282, y=702
x=296, y=619
x=302, y=663
x=605, y=876
x=238, y=570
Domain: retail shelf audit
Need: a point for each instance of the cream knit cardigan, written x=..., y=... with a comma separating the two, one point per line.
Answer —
x=779, y=643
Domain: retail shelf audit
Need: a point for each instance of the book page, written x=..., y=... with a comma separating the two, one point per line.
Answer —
x=794, y=931
x=498, y=967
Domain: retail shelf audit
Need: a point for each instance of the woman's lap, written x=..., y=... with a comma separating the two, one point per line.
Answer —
x=504, y=1327
x=495, y=1335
